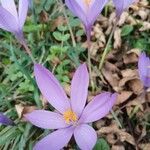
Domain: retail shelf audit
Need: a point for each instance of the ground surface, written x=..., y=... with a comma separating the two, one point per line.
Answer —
x=49, y=38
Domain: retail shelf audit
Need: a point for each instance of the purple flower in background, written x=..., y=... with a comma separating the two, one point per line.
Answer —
x=72, y=115
x=87, y=11
x=11, y=20
x=144, y=69
x=122, y=5
x=5, y=120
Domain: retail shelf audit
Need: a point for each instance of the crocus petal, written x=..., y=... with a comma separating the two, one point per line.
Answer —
x=5, y=120
x=119, y=7
x=10, y=6
x=95, y=10
x=98, y=108
x=143, y=63
x=144, y=69
x=77, y=10
x=7, y=21
x=82, y=4
x=19, y=36
x=122, y=5
x=51, y=89
x=46, y=119
x=127, y=3
x=79, y=89
x=56, y=140
x=85, y=137
x=23, y=9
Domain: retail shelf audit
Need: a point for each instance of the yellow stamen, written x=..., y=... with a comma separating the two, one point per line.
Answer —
x=70, y=116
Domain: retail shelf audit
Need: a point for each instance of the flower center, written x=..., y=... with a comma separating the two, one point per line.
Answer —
x=87, y=2
x=70, y=116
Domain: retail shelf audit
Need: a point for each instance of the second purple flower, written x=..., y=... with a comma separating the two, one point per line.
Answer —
x=87, y=11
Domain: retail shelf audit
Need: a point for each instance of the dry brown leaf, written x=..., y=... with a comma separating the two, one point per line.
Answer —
x=148, y=96
x=67, y=89
x=21, y=110
x=130, y=58
x=129, y=73
x=137, y=51
x=123, y=18
x=135, y=103
x=123, y=96
x=128, y=76
x=117, y=38
x=145, y=146
x=57, y=22
x=121, y=134
x=136, y=86
x=112, y=78
x=143, y=14
x=44, y=16
x=111, y=67
x=145, y=26
x=117, y=147
x=99, y=35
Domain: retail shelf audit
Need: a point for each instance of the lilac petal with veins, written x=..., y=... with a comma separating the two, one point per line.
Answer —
x=79, y=89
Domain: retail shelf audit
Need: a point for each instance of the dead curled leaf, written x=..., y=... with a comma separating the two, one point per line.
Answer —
x=117, y=38
x=130, y=58
x=21, y=110
x=112, y=78
x=136, y=86
x=145, y=146
x=112, y=131
x=117, y=147
x=123, y=96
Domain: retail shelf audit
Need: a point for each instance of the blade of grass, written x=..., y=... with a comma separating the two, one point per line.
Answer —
x=26, y=73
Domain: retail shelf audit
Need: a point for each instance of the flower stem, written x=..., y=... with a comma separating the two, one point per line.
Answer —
x=29, y=52
x=70, y=29
x=89, y=62
x=107, y=46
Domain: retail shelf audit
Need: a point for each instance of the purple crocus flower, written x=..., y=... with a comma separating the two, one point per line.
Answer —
x=11, y=20
x=87, y=11
x=144, y=69
x=72, y=116
x=5, y=120
x=122, y=5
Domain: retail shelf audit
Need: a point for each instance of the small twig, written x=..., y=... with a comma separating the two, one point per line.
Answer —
x=116, y=118
x=107, y=46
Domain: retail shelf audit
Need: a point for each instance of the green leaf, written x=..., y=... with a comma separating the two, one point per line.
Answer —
x=80, y=33
x=126, y=30
x=62, y=28
x=61, y=37
x=101, y=145
x=32, y=28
